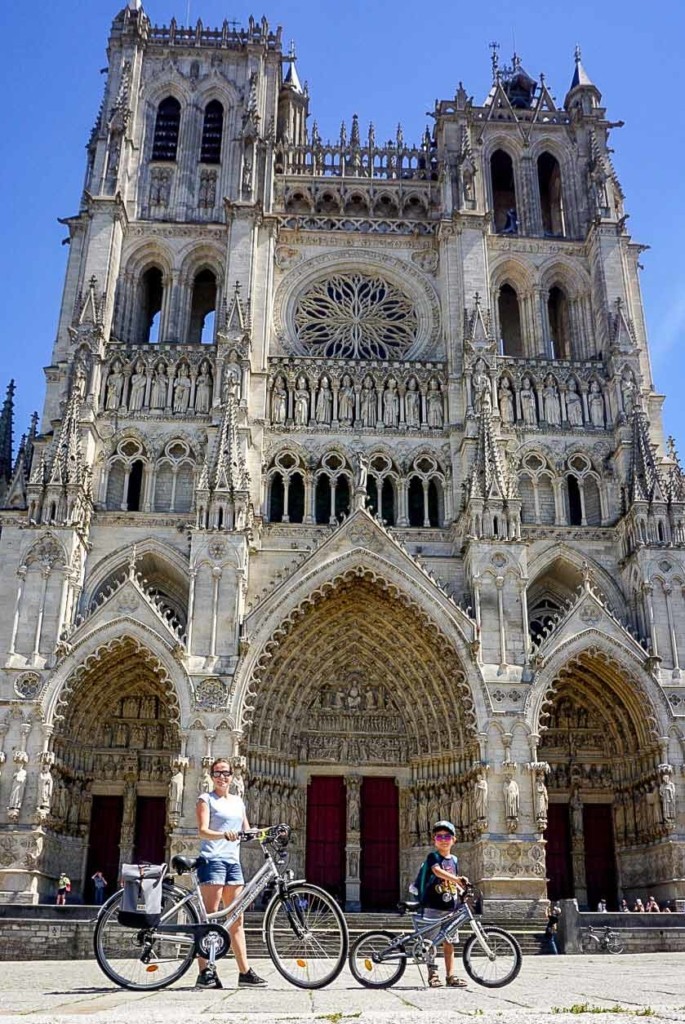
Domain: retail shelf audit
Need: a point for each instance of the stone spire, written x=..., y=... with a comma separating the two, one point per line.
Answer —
x=493, y=508
x=582, y=92
x=223, y=486
x=646, y=483
x=16, y=493
x=487, y=479
x=6, y=425
x=290, y=77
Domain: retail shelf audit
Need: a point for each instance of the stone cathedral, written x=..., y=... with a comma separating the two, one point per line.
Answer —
x=351, y=469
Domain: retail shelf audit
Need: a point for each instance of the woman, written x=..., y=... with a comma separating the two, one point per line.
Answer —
x=220, y=819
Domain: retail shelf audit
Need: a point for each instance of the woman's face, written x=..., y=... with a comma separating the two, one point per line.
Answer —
x=221, y=777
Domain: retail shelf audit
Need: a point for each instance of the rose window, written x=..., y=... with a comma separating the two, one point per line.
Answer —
x=355, y=317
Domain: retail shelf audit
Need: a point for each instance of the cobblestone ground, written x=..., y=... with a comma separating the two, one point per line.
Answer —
x=549, y=990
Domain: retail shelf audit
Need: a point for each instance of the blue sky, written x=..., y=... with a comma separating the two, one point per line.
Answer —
x=385, y=61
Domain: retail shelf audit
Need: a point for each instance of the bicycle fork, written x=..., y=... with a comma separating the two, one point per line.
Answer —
x=482, y=941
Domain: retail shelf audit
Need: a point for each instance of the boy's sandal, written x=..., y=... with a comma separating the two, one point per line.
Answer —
x=434, y=980
x=454, y=982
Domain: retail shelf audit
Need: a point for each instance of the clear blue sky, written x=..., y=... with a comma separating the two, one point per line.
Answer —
x=386, y=61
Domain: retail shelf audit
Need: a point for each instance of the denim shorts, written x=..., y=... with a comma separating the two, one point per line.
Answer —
x=219, y=872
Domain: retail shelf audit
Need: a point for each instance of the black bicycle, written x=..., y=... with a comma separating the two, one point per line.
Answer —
x=304, y=929
x=608, y=941
x=491, y=956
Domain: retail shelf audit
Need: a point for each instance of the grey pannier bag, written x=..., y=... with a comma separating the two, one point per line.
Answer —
x=141, y=903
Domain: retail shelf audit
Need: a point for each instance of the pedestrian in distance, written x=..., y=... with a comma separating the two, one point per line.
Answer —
x=100, y=886
x=551, y=929
x=63, y=887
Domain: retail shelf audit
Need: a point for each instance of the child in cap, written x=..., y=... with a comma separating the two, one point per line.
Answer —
x=443, y=885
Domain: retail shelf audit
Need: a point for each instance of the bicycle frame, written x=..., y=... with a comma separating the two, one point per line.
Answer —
x=459, y=916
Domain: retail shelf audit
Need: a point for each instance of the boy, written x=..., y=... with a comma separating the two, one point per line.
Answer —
x=442, y=887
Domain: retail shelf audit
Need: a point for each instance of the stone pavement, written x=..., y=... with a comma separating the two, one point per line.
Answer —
x=57, y=992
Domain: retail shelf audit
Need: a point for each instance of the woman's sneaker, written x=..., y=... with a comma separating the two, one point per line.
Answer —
x=250, y=978
x=208, y=979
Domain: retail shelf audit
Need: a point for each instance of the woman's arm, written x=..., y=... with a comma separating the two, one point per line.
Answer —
x=204, y=831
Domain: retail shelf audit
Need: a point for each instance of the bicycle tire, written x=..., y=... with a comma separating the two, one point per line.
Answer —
x=588, y=943
x=306, y=935
x=119, y=951
x=614, y=945
x=366, y=970
x=506, y=953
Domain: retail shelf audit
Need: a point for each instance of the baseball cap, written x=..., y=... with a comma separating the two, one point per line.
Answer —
x=446, y=825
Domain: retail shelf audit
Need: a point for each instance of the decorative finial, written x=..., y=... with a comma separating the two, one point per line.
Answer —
x=494, y=59
x=292, y=54
x=577, y=54
x=132, y=562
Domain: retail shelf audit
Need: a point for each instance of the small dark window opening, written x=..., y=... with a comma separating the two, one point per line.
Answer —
x=212, y=129
x=220, y=518
x=135, y=486
x=167, y=125
x=276, y=502
x=322, y=502
x=549, y=182
x=296, y=499
x=503, y=193
x=388, y=502
x=660, y=531
x=372, y=496
x=510, y=322
x=203, y=305
x=559, y=323
x=415, y=502
x=495, y=526
x=342, y=497
x=575, y=508
x=152, y=293
x=433, y=504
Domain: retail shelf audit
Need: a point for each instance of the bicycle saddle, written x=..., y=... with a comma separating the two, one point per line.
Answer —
x=408, y=906
x=179, y=865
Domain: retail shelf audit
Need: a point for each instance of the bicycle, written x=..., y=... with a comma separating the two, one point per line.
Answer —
x=303, y=927
x=491, y=956
x=592, y=942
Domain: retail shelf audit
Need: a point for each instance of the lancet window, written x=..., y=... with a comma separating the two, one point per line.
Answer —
x=286, y=490
x=174, y=479
x=150, y=297
x=212, y=131
x=332, y=489
x=551, y=205
x=167, y=124
x=126, y=477
x=425, y=494
x=511, y=339
x=559, y=319
x=504, y=206
x=203, y=308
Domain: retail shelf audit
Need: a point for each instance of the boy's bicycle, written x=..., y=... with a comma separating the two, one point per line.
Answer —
x=491, y=956
x=594, y=942
x=303, y=927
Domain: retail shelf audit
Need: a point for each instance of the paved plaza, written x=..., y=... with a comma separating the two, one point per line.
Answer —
x=549, y=989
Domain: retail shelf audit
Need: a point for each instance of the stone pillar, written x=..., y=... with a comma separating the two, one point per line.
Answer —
x=578, y=849
x=353, y=845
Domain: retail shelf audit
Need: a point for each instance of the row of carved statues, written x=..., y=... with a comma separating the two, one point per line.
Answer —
x=179, y=388
x=327, y=401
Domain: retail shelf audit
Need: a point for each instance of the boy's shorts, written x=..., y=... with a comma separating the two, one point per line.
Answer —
x=437, y=915
x=219, y=872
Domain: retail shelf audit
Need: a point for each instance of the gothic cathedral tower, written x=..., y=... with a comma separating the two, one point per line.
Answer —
x=350, y=468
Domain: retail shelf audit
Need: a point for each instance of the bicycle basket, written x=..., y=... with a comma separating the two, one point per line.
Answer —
x=141, y=902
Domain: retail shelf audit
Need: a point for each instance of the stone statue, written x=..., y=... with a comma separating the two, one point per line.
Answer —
x=628, y=389
x=160, y=382
x=391, y=403
x=46, y=784
x=138, y=385
x=203, y=388
x=346, y=401
x=412, y=404
x=480, y=797
x=511, y=225
x=18, y=787
x=115, y=386
x=482, y=388
x=353, y=806
x=176, y=785
x=362, y=474
x=574, y=405
x=205, y=784
x=279, y=401
x=596, y=405
x=237, y=785
x=667, y=792
x=576, y=805
x=512, y=802
x=529, y=413
x=182, y=390
x=301, y=403
x=506, y=401
x=541, y=798
x=435, y=413
x=423, y=816
x=324, y=403
x=550, y=402
x=369, y=408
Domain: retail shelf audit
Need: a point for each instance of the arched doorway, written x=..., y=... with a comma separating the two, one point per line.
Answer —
x=600, y=740
x=363, y=733
x=116, y=735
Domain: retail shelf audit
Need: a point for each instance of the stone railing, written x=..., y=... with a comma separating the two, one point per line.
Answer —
x=342, y=394
x=228, y=37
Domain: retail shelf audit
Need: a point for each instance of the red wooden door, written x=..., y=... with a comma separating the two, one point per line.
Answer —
x=103, y=843
x=380, y=843
x=326, y=833
x=150, y=829
x=559, y=864
x=600, y=855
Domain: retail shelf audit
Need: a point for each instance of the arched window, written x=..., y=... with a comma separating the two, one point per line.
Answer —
x=575, y=506
x=167, y=124
x=503, y=193
x=433, y=504
x=342, y=497
x=276, y=499
x=559, y=323
x=296, y=498
x=135, y=486
x=212, y=129
x=323, y=500
x=203, y=308
x=372, y=495
x=549, y=183
x=115, y=486
x=388, y=502
x=151, y=294
x=509, y=322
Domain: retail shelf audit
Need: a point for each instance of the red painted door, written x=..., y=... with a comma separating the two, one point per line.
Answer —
x=559, y=864
x=326, y=833
x=600, y=855
x=103, y=844
x=150, y=829
x=380, y=843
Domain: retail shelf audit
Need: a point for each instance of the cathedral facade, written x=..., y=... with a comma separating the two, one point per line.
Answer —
x=350, y=468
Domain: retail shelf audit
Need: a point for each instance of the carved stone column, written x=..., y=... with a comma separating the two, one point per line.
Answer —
x=353, y=844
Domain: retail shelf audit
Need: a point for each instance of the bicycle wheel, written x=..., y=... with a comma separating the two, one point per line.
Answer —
x=367, y=969
x=614, y=944
x=306, y=936
x=142, y=959
x=497, y=968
